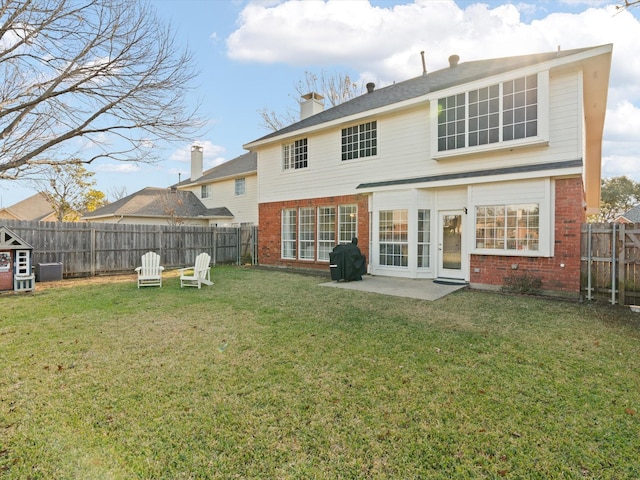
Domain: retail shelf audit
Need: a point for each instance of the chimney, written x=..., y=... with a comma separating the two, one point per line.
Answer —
x=371, y=87
x=196, y=162
x=453, y=61
x=310, y=104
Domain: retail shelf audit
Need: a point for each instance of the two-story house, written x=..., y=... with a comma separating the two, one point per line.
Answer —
x=222, y=196
x=472, y=173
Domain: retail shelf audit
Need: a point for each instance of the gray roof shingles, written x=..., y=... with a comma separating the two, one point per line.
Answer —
x=155, y=202
x=438, y=80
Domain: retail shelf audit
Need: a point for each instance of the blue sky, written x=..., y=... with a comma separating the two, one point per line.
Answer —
x=252, y=53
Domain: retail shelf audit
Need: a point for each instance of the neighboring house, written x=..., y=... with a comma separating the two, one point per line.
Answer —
x=222, y=196
x=631, y=216
x=473, y=173
x=232, y=184
x=35, y=208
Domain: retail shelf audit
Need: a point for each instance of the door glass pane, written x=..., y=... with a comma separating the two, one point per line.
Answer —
x=451, y=242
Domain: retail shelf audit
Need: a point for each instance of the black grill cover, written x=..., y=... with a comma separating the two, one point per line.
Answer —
x=347, y=262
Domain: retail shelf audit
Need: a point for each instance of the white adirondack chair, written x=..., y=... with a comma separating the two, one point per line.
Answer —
x=150, y=272
x=197, y=275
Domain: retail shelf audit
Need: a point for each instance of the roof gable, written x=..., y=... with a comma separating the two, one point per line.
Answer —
x=632, y=215
x=11, y=241
x=35, y=208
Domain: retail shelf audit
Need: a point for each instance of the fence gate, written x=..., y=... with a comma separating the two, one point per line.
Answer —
x=610, y=266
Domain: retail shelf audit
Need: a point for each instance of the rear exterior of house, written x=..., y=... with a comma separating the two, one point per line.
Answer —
x=474, y=173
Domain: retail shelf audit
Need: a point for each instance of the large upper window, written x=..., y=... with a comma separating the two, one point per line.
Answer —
x=294, y=155
x=508, y=227
x=360, y=141
x=497, y=113
x=205, y=191
x=394, y=238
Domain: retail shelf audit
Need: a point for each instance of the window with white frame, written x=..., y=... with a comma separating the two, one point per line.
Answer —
x=501, y=112
x=424, y=238
x=307, y=233
x=294, y=155
x=393, y=237
x=513, y=227
x=347, y=223
x=289, y=233
x=240, y=186
x=360, y=141
x=326, y=232
x=205, y=191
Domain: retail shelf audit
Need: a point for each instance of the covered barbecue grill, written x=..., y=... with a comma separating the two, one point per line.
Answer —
x=347, y=262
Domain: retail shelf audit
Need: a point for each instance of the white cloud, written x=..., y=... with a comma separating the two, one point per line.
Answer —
x=122, y=167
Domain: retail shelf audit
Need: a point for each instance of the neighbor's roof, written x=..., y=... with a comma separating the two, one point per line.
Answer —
x=632, y=215
x=462, y=73
x=35, y=208
x=242, y=165
x=156, y=202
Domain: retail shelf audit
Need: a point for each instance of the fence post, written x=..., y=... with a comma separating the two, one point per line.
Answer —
x=613, y=265
x=621, y=266
x=92, y=251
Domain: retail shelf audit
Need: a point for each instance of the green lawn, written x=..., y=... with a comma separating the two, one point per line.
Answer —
x=268, y=375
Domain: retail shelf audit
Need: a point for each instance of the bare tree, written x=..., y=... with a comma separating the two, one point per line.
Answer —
x=172, y=203
x=104, y=72
x=335, y=89
x=628, y=4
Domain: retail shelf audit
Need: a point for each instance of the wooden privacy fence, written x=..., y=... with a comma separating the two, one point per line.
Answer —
x=610, y=266
x=88, y=249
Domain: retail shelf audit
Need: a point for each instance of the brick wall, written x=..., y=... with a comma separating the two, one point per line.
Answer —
x=569, y=215
x=270, y=225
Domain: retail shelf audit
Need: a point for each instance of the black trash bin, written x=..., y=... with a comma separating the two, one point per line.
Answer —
x=347, y=262
x=48, y=272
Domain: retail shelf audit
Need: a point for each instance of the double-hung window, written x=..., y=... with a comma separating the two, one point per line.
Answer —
x=289, y=233
x=294, y=155
x=240, y=186
x=393, y=237
x=326, y=232
x=307, y=233
x=360, y=141
x=347, y=223
x=205, y=191
x=508, y=227
x=502, y=112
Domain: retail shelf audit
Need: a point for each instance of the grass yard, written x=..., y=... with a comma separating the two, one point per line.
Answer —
x=268, y=375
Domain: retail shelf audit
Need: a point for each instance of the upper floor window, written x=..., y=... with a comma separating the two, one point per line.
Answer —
x=240, y=186
x=360, y=141
x=294, y=155
x=205, y=191
x=498, y=113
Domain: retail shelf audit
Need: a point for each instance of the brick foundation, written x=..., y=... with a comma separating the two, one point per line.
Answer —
x=569, y=215
x=270, y=225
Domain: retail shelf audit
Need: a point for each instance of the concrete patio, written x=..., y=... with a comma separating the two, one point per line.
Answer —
x=423, y=289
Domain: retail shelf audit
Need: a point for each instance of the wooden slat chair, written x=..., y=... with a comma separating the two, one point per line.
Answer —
x=150, y=272
x=197, y=275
